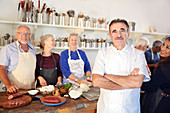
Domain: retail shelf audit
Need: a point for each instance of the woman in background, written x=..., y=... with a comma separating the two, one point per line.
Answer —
x=161, y=79
x=74, y=63
x=47, y=68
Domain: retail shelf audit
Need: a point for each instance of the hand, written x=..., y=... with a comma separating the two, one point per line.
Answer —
x=42, y=81
x=135, y=72
x=79, y=81
x=12, y=88
x=155, y=65
x=58, y=83
x=89, y=78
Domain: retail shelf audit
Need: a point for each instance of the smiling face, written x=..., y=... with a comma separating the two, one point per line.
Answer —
x=49, y=43
x=73, y=42
x=23, y=35
x=119, y=35
x=165, y=49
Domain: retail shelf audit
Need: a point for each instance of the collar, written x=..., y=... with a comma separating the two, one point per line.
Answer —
x=124, y=49
x=29, y=45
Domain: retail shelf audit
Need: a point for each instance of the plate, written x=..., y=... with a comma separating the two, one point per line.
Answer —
x=62, y=101
x=41, y=95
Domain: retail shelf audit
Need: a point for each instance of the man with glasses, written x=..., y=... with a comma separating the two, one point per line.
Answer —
x=18, y=62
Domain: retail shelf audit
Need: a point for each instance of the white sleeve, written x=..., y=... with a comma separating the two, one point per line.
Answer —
x=99, y=64
x=141, y=64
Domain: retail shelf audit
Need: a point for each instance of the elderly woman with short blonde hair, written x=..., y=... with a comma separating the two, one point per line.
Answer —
x=47, y=68
x=74, y=63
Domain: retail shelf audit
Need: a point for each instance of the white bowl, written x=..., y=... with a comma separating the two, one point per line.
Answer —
x=33, y=92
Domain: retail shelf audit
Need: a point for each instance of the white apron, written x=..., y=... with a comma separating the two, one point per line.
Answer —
x=76, y=67
x=24, y=74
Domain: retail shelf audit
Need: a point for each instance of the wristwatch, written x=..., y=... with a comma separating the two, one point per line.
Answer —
x=76, y=79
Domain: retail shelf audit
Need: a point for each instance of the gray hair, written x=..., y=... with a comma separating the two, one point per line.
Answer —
x=142, y=41
x=74, y=34
x=45, y=37
x=157, y=43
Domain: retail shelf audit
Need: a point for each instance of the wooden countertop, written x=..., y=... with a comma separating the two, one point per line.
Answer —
x=71, y=106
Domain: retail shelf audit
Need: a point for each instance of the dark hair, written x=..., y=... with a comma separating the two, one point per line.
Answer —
x=168, y=38
x=165, y=60
x=121, y=21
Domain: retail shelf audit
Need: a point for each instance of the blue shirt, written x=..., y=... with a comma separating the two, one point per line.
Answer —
x=9, y=55
x=74, y=56
x=148, y=56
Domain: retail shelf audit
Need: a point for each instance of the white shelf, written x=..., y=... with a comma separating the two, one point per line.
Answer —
x=51, y=25
x=76, y=27
x=150, y=33
x=63, y=48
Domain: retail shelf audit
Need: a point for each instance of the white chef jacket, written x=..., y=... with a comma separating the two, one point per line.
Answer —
x=119, y=62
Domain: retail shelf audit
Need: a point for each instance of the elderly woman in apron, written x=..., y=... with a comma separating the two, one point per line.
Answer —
x=47, y=68
x=74, y=63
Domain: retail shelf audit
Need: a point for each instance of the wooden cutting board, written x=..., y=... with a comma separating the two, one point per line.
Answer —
x=92, y=94
x=4, y=101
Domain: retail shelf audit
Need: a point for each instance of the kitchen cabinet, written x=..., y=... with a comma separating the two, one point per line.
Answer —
x=37, y=30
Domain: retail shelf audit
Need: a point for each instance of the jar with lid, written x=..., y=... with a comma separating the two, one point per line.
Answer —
x=99, y=43
x=88, y=43
x=58, y=42
x=94, y=43
x=65, y=42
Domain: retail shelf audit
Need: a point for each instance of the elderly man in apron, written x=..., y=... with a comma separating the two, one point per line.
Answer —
x=18, y=62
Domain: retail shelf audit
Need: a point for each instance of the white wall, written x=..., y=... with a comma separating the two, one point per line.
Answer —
x=144, y=12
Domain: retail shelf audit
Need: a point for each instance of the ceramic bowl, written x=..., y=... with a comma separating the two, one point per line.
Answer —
x=33, y=92
x=63, y=91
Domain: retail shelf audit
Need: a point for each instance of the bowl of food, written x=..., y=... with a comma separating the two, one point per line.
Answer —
x=46, y=89
x=33, y=92
x=64, y=88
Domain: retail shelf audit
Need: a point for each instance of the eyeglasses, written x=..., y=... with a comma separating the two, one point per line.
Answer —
x=24, y=33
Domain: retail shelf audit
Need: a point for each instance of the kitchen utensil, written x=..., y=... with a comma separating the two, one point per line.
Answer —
x=71, y=21
x=61, y=19
x=131, y=26
x=92, y=94
x=80, y=22
x=39, y=19
x=5, y=102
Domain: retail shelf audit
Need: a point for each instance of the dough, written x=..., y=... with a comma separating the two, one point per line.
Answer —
x=84, y=87
x=75, y=93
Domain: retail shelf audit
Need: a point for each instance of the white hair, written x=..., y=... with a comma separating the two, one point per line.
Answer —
x=74, y=34
x=142, y=41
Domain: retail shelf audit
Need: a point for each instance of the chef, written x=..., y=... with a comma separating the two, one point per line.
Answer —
x=119, y=71
x=18, y=62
